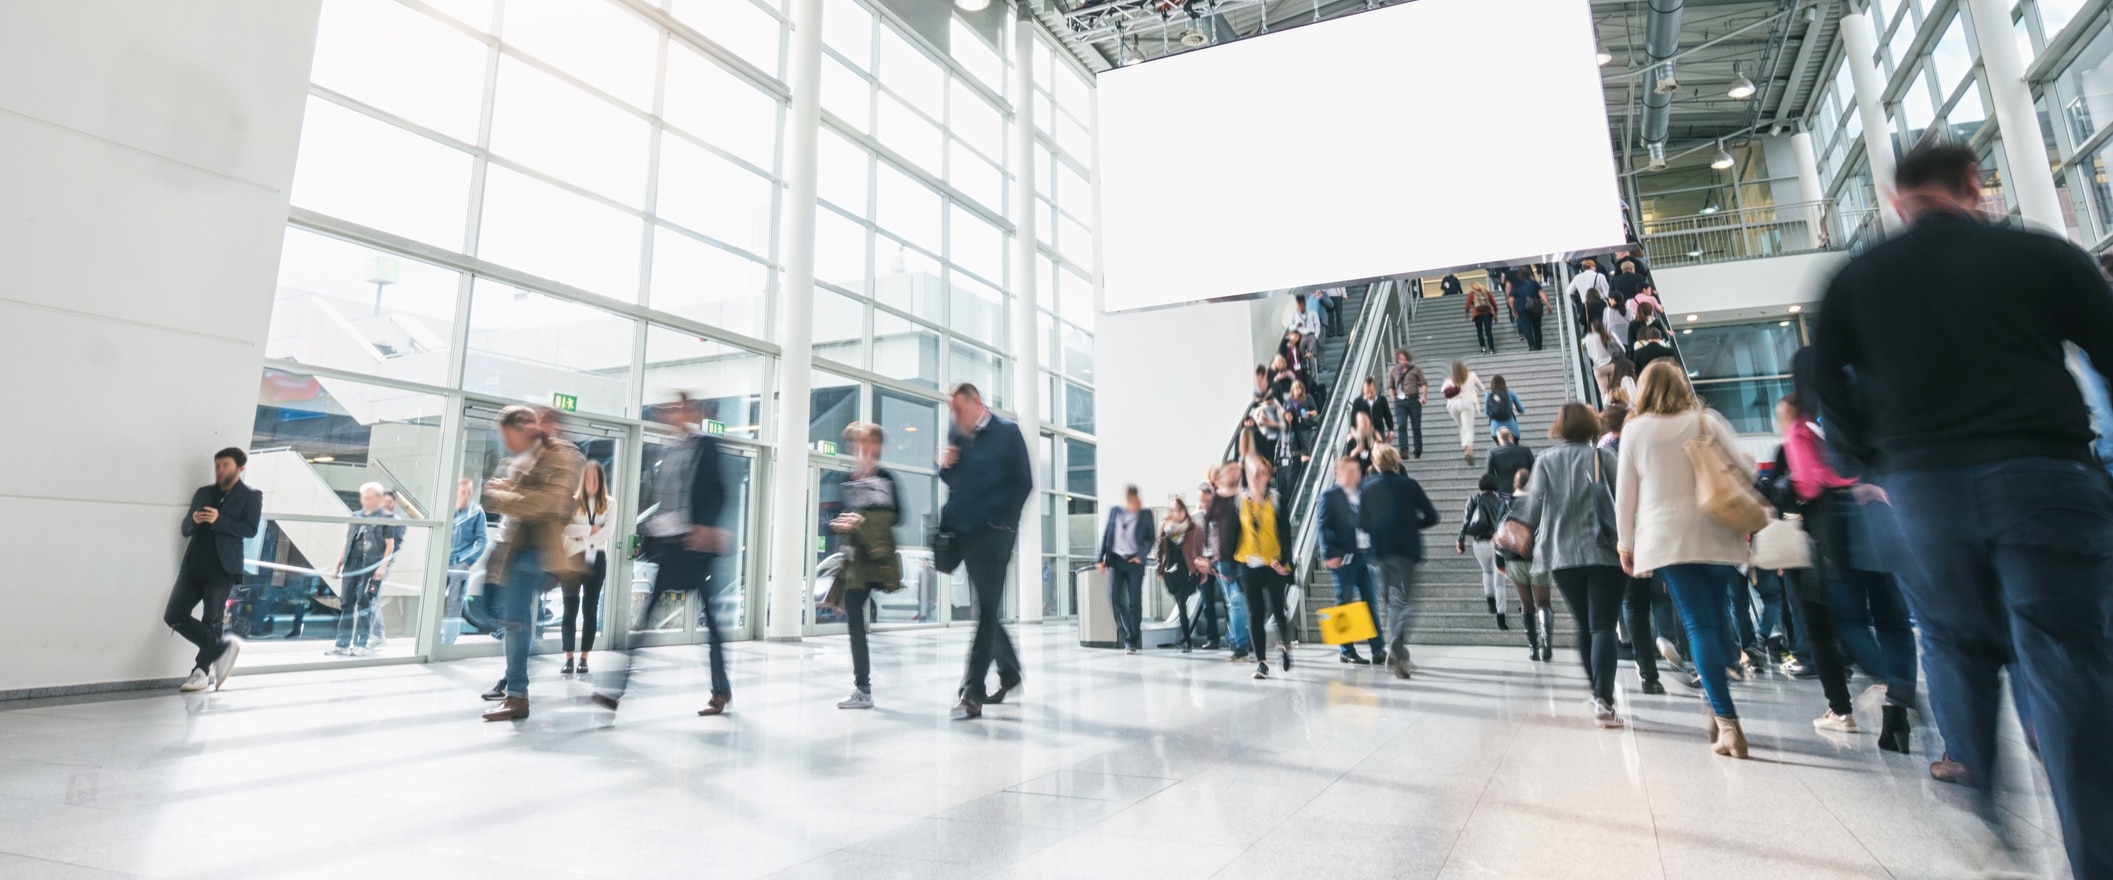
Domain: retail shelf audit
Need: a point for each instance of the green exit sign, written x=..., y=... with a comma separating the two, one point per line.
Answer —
x=565, y=402
x=826, y=447
x=714, y=427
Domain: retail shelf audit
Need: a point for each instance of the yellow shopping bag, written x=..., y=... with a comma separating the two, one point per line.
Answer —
x=1347, y=624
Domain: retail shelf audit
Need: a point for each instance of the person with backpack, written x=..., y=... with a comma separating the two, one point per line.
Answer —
x=1482, y=310
x=1571, y=515
x=1503, y=408
x=1478, y=525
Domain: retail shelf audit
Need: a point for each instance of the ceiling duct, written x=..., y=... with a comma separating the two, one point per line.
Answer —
x=1661, y=41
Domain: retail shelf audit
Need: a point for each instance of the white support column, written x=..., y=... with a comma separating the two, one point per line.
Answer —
x=1859, y=44
x=788, y=506
x=2031, y=179
x=1810, y=190
x=1026, y=358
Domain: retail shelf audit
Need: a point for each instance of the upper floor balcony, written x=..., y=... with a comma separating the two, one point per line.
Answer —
x=1752, y=233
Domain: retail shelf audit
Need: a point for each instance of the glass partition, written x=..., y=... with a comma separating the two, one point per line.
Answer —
x=323, y=589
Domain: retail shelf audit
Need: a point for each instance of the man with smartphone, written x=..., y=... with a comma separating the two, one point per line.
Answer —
x=221, y=516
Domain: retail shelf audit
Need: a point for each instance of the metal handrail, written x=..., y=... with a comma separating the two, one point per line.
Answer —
x=1748, y=233
x=1232, y=446
x=1381, y=337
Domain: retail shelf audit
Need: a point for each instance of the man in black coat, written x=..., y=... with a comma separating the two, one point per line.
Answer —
x=1124, y=544
x=988, y=478
x=1507, y=460
x=1393, y=511
x=221, y=516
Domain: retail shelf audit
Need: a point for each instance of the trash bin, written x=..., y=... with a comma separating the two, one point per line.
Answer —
x=1096, y=619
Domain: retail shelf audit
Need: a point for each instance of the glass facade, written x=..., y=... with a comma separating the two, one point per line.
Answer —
x=576, y=203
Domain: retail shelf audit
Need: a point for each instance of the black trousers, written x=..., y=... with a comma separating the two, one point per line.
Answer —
x=589, y=584
x=986, y=552
x=1814, y=621
x=1486, y=331
x=1126, y=583
x=1264, y=589
x=1594, y=594
x=209, y=588
x=682, y=570
x=855, y=612
x=1643, y=639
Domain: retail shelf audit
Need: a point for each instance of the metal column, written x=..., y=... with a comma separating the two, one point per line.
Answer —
x=2030, y=177
x=788, y=510
x=1859, y=44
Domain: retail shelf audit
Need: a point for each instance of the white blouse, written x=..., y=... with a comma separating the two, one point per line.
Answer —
x=1655, y=512
x=582, y=540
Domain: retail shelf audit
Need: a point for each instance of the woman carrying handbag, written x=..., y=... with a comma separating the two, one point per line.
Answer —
x=1676, y=515
x=1571, y=513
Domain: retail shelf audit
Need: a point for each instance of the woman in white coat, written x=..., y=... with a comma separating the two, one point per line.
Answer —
x=587, y=540
x=1662, y=529
x=1463, y=401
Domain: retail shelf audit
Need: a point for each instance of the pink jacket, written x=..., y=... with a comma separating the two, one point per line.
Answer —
x=1810, y=474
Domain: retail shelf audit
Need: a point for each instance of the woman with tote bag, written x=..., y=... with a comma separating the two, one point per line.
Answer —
x=1571, y=512
x=1667, y=509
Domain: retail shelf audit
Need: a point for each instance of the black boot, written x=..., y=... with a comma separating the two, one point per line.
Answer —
x=1492, y=600
x=1547, y=616
x=1533, y=637
x=1500, y=621
x=1893, y=729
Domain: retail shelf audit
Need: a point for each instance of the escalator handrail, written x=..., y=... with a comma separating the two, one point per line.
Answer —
x=1366, y=349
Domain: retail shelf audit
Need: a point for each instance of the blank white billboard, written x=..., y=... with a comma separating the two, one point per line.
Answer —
x=1432, y=134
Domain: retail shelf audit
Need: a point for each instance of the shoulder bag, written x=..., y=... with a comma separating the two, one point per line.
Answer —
x=1723, y=491
x=1782, y=545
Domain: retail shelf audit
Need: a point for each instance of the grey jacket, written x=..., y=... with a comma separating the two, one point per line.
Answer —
x=1566, y=530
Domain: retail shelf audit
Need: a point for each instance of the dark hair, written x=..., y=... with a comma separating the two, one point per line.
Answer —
x=968, y=390
x=1939, y=165
x=1650, y=334
x=1575, y=422
x=1612, y=417
x=1130, y=490
x=240, y=458
x=1404, y=352
x=1488, y=483
x=1497, y=386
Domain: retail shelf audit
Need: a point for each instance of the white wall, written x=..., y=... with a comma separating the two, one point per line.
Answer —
x=146, y=149
x=1172, y=385
x=1746, y=288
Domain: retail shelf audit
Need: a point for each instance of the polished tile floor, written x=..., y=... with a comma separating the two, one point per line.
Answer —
x=1160, y=767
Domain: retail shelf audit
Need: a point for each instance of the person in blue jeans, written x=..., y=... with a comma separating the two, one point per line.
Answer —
x=535, y=494
x=2002, y=514
x=1345, y=553
x=1222, y=521
x=1503, y=408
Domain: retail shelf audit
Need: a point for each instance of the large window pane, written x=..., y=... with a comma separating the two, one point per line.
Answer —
x=1078, y=408
x=1951, y=59
x=710, y=194
x=553, y=127
x=908, y=280
x=1078, y=354
x=912, y=426
x=1080, y=474
x=976, y=310
x=594, y=40
x=1076, y=244
x=355, y=167
x=907, y=208
x=720, y=108
x=839, y=251
x=978, y=179
x=974, y=55
x=398, y=60
x=839, y=328
x=847, y=95
x=530, y=347
x=974, y=120
x=728, y=380
x=848, y=29
x=1748, y=404
x=2086, y=87
x=1076, y=293
x=740, y=26
x=350, y=307
x=975, y=245
x=904, y=349
x=709, y=284
x=985, y=370
x=1738, y=351
x=908, y=72
x=538, y=228
x=475, y=13
x=289, y=600
x=1072, y=91
x=2056, y=15
x=316, y=440
x=832, y=407
x=902, y=130
x=844, y=173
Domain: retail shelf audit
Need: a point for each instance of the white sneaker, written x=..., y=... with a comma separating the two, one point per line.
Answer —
x=230, y=648
x=857, y=700
x=1837, y=723
x=1603, y=712
x=199, y=680
x=338, y=652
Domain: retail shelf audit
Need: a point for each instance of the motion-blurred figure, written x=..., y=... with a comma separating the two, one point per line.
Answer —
x=534, y=494
x=988, y=480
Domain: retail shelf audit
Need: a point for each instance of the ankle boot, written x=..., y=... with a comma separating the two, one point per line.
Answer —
x=1709, y=723
x=1893, y=729
x=1731, y=741
x=509, y=709
x=1547, y=633
x=1492, y=601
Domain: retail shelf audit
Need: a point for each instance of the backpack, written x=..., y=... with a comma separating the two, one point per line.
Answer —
x=1482, y=516
x=1499, y=407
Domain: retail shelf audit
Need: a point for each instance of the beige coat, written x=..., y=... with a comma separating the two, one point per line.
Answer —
x=1654, y=494
x=538, y=506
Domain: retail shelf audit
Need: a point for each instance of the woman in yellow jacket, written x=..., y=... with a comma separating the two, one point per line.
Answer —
x=1264, y=554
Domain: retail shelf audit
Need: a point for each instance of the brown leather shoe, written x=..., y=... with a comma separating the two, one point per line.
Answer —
x=509, y=709
x=717, y=706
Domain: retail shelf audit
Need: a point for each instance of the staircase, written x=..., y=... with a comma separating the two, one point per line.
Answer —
x=1333, y=348
x=1450, y=609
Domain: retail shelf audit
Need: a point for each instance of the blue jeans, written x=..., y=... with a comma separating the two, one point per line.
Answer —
x=2100, y=400
x=1702, y=595
x=1353, y=583
x=1126, y=583
x=1235, y=608
x=1769, y=584
x=2010, y=565
x=525, y=580
x=1863, y=601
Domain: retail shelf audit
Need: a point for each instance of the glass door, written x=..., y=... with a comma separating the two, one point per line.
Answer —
x=658, y=618
x=468, y=626
x=825, y=493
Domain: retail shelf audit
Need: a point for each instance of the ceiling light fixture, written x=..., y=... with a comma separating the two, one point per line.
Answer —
x=1796, y=309
x=1695, y=253
x=1741, y=87
x=1723, y=159
x=971, y=5
x=1694, y=317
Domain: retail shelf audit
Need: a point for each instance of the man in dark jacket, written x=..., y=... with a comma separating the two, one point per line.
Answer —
x=1393, y=510
x=220, y=517
x=1344, y=553
x=1650, y=346
x=1507, y=460
x=1964, y=411
x=1124, y=544
x=988, y=479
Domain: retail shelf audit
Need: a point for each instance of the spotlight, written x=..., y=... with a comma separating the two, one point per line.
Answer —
x=1741, y=87
x=971, y=5
x=1796, y=309
x=1601, y=55
x=1723, y=160
x=1694, y=317
x=1194, y=37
